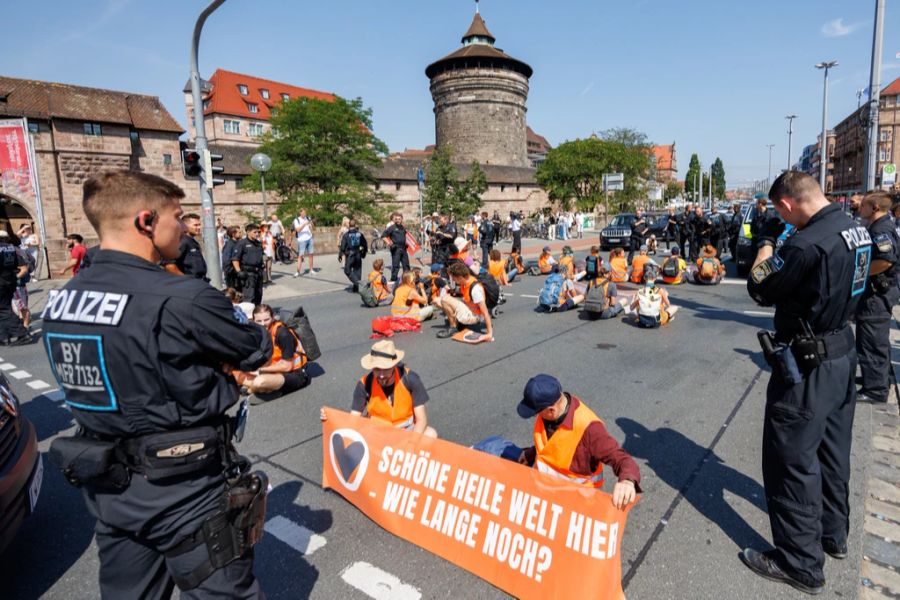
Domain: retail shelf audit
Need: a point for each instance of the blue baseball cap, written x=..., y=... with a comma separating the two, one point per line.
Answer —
x=541, y=391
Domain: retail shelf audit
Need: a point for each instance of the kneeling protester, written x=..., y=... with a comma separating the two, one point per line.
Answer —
x=286, y=370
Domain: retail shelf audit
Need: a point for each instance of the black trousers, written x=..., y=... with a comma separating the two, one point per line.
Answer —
x=485, y=253
x=10, y=325
x=682, y=243
x=251, y=287
x=633, y=246
x=517, y=242
x=353, y=269
x=399, y=257
x=873, y=344
x=806, y=463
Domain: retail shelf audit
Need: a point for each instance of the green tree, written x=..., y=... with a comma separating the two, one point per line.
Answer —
x=691, y=178
x=718, y=175
x=446, y=192
x=573, y=172
x=324, y=156
x=626, y=136
x=673, y=189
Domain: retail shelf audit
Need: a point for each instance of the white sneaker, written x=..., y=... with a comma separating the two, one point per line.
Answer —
x=297, y=274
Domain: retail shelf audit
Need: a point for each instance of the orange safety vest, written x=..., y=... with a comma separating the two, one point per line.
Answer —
x=544, y=263
x=496, y=268
x=380, y=408
x=637, y=267
x=401, y=304
x=465, y=289
x=298, y=361
x=567, y=262
x=618, y=269
x=678, y=278
x=554, y=455
x=377, y=279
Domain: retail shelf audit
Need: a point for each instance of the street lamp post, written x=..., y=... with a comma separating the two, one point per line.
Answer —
x=769, y=178
x=823, y=145
x=874, y=98
x=262, y=163
x=790, y=119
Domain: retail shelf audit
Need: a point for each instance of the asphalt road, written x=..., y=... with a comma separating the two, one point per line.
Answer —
x=686, y=401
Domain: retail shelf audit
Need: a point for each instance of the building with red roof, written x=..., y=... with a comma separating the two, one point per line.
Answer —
x=666, y=163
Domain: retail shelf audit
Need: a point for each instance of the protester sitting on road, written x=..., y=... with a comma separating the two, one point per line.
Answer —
x=572, y=443
x=673, y=268
x=559, y=293
x=390, y=393
x=461, y=251
x=546, y=261
x=286, y=370
x=237, y=300
x=651, y=305
x=470, y=309
x=497, y=267
x=408, y=301
x=651, y=244
x=567, y=258
x=618, y=266
x=516, y=262
x=600, y=300
x=592, y=264
x=380, y=284
x=637, y=265
x=709, y=270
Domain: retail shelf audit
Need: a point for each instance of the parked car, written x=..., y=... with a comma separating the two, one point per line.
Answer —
x=21, y=467
x=618, y=232
x=746, y=249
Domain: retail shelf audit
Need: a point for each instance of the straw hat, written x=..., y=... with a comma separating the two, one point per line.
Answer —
x=384, y=355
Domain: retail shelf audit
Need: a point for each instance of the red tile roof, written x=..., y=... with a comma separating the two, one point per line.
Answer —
x=225, y=96
x=892, y=88
x=664, y=156
x=46, y=100
x=536, y=139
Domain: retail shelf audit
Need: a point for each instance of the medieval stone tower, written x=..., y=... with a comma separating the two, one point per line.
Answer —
x=479, y=97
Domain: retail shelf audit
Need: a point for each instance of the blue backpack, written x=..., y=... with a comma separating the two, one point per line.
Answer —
x=552, y=287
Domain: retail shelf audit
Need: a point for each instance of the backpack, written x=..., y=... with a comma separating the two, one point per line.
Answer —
x=486, y=231
x=708, y=269
x=649, y=308
x=550, y=292
x=491, y=290
x=299, y=324
x=354, y=241
x=670, y=267
x=592, y=267
x=597, y=300
x=367, y=293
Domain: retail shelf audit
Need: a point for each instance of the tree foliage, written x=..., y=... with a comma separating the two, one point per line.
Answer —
x=573, y=171
x=672, y=190
x=323, y=159
x=446, y=192
x=718, y=175
x=692, y=178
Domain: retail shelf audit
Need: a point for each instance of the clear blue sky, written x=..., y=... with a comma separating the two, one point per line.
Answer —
x=715, y=76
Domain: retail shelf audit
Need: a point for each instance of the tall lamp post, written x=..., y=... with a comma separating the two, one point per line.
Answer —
x=262, y=163
x=769, y=178
x=823, y=145
x=790, y=119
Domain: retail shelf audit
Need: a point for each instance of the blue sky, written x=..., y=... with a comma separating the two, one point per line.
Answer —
x=715, y=76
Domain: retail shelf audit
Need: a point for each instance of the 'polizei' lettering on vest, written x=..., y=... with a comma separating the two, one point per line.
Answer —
x=85, y=306
x=856, y=237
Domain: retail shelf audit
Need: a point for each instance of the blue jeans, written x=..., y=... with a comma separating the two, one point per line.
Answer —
x=512, y=275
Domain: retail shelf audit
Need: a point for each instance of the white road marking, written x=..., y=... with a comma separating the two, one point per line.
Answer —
x=296, y=536
x=728, y=281
x=759, y=313
x=37, y=384
x=20, y=374
x=378, y=584
x=7, y=367
x=527, y=296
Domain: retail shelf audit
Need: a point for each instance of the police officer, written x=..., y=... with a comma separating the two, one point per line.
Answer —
x=141, y=355
x=760, y=219
x=716, y=230
x=873, y=316
x=734, y=230
x=247, y=260
x=638, y=233
x=190, y=255
x=396, y=235
x=352, y=251
x=700, y=233
x=12, y=267
x=486, y=236
x=442, y=240
x=681, y=226
x=814, y=281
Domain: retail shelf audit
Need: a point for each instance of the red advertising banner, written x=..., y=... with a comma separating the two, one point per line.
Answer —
x=412, y=246
x=15, y=163
x=532, y=535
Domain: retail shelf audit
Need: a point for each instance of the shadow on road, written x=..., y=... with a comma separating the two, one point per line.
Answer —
x=282, y=570
x=756, y=357
x=48, y=416
x=673, y=458
x=717, y=313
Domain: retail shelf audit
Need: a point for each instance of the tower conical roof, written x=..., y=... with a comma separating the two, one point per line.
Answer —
x=478, y=48
x=478, y=28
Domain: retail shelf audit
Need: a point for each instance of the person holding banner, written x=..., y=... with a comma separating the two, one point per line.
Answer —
x=572, y=443
x=395, y=235
x=390, y=393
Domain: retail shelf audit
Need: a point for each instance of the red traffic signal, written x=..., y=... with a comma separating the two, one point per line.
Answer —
x=191, y=163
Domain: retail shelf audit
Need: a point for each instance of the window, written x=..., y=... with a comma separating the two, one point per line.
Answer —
x=285, y=96
x=92, y=129
x=206, y=105
x=884, y=135
x=243, y=89
x=232, y=126
x=517, y=187
x=34, y=127
x=238, y=183
x=502, y=188
x=255, y=128
x=134, y=135
x=884, y=154
x=377, y=186
x=397, y=186
x=254, y=108
x=264, y=93
x=167, y=159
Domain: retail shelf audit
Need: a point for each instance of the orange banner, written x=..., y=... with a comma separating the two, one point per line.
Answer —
x=530, y=534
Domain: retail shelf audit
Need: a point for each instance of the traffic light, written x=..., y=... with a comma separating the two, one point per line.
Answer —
x=212, y=180
x=191, y=165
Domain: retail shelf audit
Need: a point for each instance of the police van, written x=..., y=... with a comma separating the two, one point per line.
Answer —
x=746, y=249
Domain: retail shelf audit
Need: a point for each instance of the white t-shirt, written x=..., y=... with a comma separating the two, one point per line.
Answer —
x=516, y=225
x=303, y=227
x=477, y=293
x=276, y=228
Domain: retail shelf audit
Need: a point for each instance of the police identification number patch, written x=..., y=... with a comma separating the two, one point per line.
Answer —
x=884, y=243
x=79, y=365
x=763, y=270
x=861, y=270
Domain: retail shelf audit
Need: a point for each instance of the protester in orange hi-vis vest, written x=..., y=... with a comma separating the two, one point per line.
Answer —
x=390, y=393
x=572, y=443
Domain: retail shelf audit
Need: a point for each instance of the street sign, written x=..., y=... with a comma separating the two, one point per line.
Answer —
x=889, y=174
x=420, y=175
x=613, y=182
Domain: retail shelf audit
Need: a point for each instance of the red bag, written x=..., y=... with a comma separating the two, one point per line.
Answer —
x=386, y=326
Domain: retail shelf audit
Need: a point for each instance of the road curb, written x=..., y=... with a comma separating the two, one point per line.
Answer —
x=879, y=575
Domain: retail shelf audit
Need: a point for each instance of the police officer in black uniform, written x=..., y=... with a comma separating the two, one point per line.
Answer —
x=760, y=219
x=717, y=230
x=873, y=316
x=247, y=259
x=442, y=240
x=700, y=232
x=734, y=230
x=352, y=252
x=396, y=235
x=814, y=281
x=12, y=267
x=486, y=236
x=682, y=220
x=638, y=233
x=190, y=255
x=142, y=355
